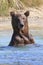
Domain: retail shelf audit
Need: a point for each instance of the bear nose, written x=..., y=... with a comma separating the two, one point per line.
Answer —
x=21, y=25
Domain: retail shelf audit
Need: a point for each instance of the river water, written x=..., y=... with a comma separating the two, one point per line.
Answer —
x=26, y=55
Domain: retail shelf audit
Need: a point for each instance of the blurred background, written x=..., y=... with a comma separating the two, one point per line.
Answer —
x=7, y=5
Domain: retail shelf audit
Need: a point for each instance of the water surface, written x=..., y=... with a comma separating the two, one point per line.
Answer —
x=26, y=55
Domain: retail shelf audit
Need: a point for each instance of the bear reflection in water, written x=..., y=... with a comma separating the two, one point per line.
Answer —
x=20, y=27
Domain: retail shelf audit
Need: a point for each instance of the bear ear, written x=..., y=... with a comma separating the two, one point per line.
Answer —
x=12, y=13
x=26, y=13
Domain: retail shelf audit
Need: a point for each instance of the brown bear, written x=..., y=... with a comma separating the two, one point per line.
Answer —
x=21, y=34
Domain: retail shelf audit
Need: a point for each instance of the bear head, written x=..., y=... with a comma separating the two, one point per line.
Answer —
x=19, y=21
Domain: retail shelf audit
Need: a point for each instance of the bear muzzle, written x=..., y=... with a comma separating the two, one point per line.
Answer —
x=21, y=25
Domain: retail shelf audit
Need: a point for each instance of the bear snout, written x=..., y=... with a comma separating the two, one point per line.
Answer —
x=21, y=25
